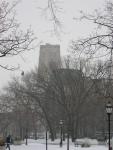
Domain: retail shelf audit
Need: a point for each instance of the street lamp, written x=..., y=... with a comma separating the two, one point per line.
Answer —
x=109, y=112
x=46, y=140
x=26, y=132
x=61, y=125
x=26, y=137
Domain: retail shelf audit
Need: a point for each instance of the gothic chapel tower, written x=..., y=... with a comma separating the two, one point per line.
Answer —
x=49, y=57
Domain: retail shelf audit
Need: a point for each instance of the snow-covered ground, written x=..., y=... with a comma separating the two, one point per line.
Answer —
x=40, y=145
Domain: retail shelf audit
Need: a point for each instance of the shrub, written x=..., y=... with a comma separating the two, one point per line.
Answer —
x=86, y=143
x=2, y=141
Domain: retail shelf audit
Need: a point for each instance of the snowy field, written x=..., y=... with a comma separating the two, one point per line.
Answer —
x=40, y=145
x=54, y=147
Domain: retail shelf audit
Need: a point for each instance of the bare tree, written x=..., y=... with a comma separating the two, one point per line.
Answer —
x=98, y=44
x=52, y=11
x=66, y=93
x=12, y=40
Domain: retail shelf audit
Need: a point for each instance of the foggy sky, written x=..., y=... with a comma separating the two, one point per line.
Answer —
x=29, y=14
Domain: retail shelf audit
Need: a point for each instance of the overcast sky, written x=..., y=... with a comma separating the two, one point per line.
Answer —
x=29, y=13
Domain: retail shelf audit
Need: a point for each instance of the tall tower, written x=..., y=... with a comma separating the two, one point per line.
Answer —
x=49, y=57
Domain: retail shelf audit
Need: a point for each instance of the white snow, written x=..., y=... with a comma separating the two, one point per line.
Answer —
x=40, y=145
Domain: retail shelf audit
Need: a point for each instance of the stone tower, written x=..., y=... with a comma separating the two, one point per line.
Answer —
x=49, y=57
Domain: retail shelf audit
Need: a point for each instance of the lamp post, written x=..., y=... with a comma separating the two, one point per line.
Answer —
x=109, y=112
x=61, y=125
x=26, y=137
x=26, y=132
x=68, y=140
x=46, y=140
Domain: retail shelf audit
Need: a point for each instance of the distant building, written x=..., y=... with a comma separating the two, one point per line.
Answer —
x=49, y=57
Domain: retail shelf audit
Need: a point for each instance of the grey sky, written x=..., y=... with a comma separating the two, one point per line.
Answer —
x=29, y=14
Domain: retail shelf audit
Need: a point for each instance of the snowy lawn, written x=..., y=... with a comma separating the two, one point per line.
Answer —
x=40, y=145
x=54, y=147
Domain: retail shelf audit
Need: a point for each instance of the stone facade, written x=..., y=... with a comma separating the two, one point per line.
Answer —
x=49, y=57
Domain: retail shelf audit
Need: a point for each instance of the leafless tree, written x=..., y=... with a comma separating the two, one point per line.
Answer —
x=67, y=93
x=98, y=44
x=12, y=40
x=52, y=10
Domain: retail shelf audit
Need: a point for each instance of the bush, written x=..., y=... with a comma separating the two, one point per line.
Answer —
x=86, y=143
x=2, y=141
x=17, y=141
